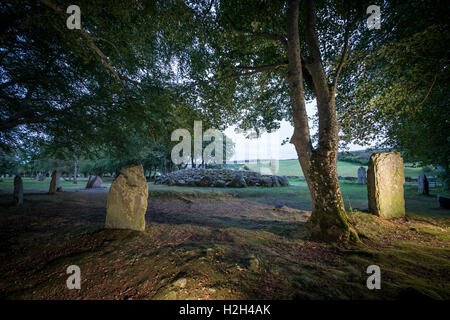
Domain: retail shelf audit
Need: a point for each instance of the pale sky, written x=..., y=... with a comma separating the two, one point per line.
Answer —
x=268, y=146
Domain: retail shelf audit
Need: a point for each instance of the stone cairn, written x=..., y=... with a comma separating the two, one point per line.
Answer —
x=127, y=200
x=199, y=177
x=362, y=177
x=423, y=186
x=385, y=179
x=18, y=191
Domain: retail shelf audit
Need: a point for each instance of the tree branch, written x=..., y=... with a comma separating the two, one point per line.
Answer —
x=314, y=63
x=264, y=67
x=301, y=137
x=105, y=60
x=342, y=60
x=89, y=39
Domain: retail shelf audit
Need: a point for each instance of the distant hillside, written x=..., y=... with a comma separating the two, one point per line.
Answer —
x=292, y=168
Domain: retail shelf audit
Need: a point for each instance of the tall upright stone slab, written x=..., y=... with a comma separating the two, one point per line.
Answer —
x=385, y=179
x=54, y=183
x=18, y=191
x=94, y=182
x=88, y=181
x=362, y=177
x=423, y=186
x=127, y=200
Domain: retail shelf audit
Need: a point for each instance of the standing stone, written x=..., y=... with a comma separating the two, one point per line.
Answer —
x=423, y=186
x=385, y=179
x=127, y=200
x=18, y=191
x=41, y=177
x=362, y=178
x=54, y=183
x=89, y=180
x=94, y=182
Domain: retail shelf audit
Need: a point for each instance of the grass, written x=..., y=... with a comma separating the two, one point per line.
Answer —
x=295, y=196
x=210, y=243
x=345, y=169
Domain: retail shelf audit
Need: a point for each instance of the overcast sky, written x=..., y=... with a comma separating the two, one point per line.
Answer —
x=268, y=146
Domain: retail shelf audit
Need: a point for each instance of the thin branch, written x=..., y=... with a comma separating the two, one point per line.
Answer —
x=345, y=97
x=311, y=33
x=105, y=60
x=314, y=63
x=343, y=56
x=264, y=67
x=429, y=90
x=90, y=42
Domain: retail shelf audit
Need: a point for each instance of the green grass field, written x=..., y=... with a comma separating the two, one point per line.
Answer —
x=345, y=169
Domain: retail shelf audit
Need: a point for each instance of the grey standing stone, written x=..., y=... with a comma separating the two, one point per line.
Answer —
x=54, y=183
x=385, y=179
x=88, y=183
x=94, y=182
x=423, y=186
x=127, y=200
x=18, y=191
x=362, y=177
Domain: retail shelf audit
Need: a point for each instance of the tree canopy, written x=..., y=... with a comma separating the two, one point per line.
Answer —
x=136, y=70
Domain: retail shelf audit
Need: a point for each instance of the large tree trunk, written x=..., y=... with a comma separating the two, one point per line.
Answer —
x=329, y=219
x=75, y=172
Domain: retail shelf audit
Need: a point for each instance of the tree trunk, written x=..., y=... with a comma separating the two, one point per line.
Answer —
x=328, y=219
x=75, y=172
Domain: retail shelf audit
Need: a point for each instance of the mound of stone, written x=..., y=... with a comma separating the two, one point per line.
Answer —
x=198, y=177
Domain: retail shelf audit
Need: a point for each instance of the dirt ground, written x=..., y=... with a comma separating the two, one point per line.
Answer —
x=212, y=246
